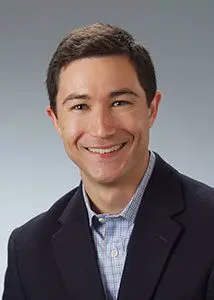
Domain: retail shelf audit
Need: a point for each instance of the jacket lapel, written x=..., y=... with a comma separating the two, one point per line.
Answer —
x=154, y=234
x=75, y=254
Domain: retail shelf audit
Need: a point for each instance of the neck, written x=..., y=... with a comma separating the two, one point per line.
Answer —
x=112, y=198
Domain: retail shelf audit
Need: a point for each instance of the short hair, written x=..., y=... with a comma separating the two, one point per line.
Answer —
x=100, y=40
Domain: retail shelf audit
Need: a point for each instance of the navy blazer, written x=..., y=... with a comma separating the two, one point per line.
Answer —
x=170, y=254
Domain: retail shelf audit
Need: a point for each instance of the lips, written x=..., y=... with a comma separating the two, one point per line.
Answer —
x=107, y=149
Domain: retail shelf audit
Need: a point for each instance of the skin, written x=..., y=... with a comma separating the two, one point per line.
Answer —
x=100, y=103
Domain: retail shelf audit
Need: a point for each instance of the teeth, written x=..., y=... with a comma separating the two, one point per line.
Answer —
x=108, y=150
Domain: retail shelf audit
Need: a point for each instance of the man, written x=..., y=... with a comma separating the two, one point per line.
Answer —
x=135, y=228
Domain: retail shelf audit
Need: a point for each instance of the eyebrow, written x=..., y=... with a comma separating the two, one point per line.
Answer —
x=73, y=96
x=124, y=91
x=113, y=94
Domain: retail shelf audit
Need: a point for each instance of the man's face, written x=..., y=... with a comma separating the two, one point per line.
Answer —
x=103, y=118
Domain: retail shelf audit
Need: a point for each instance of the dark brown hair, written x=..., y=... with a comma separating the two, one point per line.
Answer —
x=100, y=40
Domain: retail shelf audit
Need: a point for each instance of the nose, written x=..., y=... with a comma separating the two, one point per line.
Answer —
x=102, y=123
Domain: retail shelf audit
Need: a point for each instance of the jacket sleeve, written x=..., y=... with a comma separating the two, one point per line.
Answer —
x=210, y=285
x=12, y=285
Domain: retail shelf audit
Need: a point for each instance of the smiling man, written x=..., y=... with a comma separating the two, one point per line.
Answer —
x=135, y=228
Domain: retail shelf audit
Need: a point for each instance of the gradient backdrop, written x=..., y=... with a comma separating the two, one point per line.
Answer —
x=34, y=170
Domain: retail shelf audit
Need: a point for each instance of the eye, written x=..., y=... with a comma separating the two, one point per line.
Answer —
x=81, y=106
x=120, y=103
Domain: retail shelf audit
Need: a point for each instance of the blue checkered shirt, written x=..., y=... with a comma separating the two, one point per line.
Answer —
x=111, y=235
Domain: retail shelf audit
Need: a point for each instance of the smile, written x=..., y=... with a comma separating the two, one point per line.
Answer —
x=106, y=150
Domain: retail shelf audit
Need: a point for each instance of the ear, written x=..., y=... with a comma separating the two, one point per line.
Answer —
x=153, y=108
x=54, y=120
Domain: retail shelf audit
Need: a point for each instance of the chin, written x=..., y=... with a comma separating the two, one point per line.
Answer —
x=105, y=179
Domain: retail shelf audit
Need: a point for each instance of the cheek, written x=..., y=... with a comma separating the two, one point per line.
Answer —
x=71, y=130
x=136, y=124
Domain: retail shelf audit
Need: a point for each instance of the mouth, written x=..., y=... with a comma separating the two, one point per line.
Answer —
x=106, y=150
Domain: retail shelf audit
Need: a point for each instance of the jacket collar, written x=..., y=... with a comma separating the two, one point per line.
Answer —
x=151, y=242
x=154, y=234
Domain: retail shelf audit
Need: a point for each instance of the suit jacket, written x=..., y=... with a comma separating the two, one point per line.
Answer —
x=170, y=254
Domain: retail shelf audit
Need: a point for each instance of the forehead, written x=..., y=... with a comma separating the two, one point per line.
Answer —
x=98, y=74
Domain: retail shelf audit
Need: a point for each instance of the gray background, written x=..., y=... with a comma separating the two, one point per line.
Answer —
x=34, y=170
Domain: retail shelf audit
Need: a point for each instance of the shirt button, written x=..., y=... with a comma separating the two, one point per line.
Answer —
x=102, y=220
x=114, y=253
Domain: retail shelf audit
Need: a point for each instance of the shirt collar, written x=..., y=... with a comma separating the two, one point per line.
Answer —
x=130, y=211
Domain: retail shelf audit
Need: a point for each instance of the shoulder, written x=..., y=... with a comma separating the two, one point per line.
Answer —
x=44, y=225
x=198, y=199
x=198, y=196
x=196, y=188
x=190, y=186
